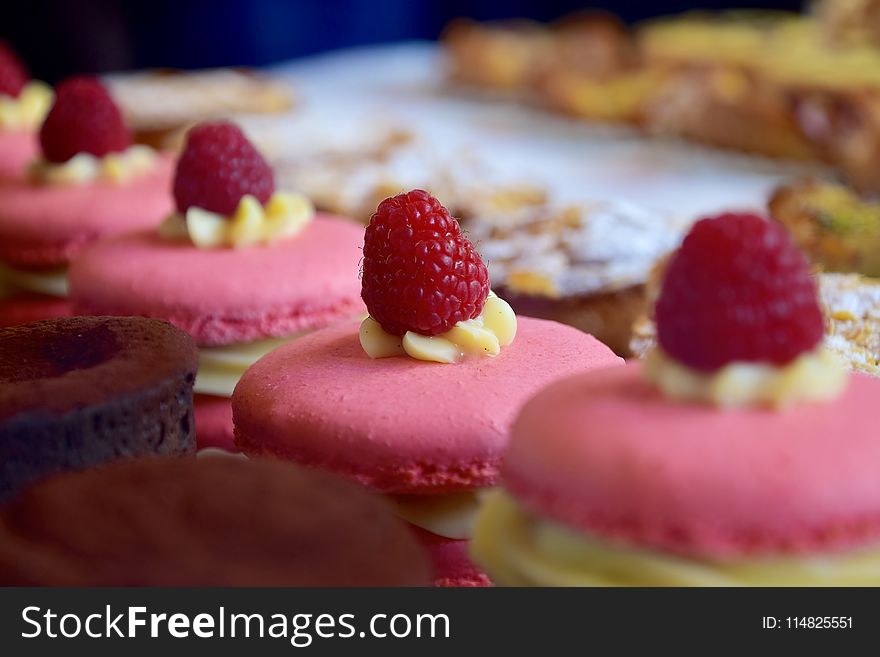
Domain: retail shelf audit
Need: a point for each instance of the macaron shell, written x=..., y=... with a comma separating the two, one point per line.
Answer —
x=223, y=296
x=451, y=562
x=605, y=452
x=25, y=307
x=400, y=424
x=46, y=225
x=17, y=150
x=213, y=422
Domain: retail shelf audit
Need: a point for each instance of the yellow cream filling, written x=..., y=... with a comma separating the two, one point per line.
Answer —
x=220, y=368
x=494, y=328
x=28, y=110
x=518, y=549
x=84, y=167
x=814, y=376
x=284, y=215
x=217, y=452
x=52, y=282
x=452, y=515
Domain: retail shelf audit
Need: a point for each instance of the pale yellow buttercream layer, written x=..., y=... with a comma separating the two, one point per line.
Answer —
x=518, y=549
x=451, y=515
x=816, y=375
x=220, y=368
x=52, y=282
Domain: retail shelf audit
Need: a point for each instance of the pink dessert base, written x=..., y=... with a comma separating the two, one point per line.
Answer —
x=451, y=561
x=400, y=425
x=223, y=296
x=26, y=307
x=213, y=422
x=46, y=225
x=607, y=453
x=17, y=150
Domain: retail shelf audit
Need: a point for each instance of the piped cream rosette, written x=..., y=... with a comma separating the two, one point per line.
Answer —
x=82, y=168
x=27, y=111
x=284, y=215
x=813, y=376
x=484, y=335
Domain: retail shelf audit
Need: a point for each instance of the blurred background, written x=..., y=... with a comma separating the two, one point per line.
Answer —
x=60, y=37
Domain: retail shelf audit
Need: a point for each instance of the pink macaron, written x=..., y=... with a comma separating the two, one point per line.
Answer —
x=213, y=417
x=237, y=298
x=18, y=149
x=43, y=226
x=607, y=454
x=224, y=296
x=400, y=425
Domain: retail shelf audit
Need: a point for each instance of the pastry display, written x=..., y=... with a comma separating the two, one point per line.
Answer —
x=239, y=265
x=416, y=403
x=161, y=104
x=87, y=182
x=204, y=522
x=798, y=86
x=82, y=391
x=360, y=319
x=505, y=57
x=739, y=453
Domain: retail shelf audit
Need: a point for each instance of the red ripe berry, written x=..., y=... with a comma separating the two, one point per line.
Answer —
x=83, y=119
x=737, y=290
x=13, y=74
x=419, y=272
x=218, y=167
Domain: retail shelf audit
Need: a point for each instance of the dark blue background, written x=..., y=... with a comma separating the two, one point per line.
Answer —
x=59, y=37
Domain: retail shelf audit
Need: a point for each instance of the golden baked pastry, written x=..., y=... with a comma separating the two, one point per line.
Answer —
x=157, y=103
x=838, y=229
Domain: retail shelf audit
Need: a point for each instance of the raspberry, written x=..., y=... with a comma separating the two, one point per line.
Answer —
x=83, y=119
x=737, y=290
x=13, y=75
x=419, y=272
x=218, y=167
